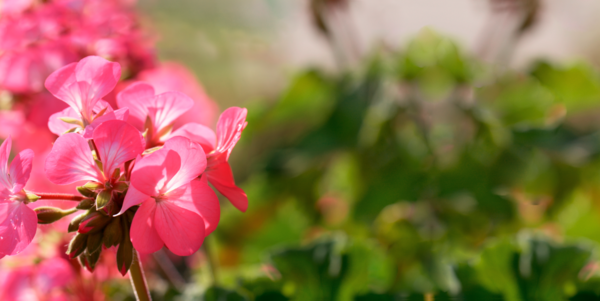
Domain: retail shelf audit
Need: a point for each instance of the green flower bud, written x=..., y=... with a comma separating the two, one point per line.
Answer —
x=103, y=198
x=48, y=215
x=94, y=242
x=77, y=245
x=125, y=253
x=113, y=233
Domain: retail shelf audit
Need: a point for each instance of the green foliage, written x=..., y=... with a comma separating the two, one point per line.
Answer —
x=422, y=174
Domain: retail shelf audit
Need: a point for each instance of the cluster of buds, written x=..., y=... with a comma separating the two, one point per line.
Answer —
x=147, y=180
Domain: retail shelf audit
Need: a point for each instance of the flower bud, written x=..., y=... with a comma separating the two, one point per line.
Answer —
x=94, y=242
x=93, y=223
x=125, y=253
x=113, y=233
x=86, y=192
x=48, y=215
x=77, y=245
x=103, y=198
x=74, y=224
x=92, y=259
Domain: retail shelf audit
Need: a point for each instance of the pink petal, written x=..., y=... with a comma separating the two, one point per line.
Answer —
x=221, y=177
x=117, y=142
x=199, y=134
x=182, y=230
x=167, y=107
x=102, y=75
x=137, y=98
x=60, y=127
x=143, y=232
x=59, y=80
x=193, y=161
x=229, y=129
x=18, y=224
x=120, y=114
x=20, y=169
x=198, y=197
x=132, y=198
x=5, y=181
x=71, y=161
x=152, y=172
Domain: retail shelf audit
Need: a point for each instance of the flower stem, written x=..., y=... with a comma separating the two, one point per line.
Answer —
x=138, y=279
x=59, y=196
x=212, y=261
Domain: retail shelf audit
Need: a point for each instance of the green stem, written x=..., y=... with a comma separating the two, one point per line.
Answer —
x=138, y=279
x=212, y=261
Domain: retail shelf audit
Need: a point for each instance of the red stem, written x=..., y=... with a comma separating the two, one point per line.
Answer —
x=59, y=196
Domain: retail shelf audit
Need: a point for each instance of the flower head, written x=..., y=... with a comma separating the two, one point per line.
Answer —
x=178, y=210
x=153, y=113
x=218, y=147
x=18, y=222
x=81, y=85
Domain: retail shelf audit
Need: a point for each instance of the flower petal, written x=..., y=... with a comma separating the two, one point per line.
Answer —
x=198, y=197
x=221, y=177
x=182, y=230
x=193, y=161
x=59, y=80
x=120, y=114
x=132, y=198
x=20, y=169
x=117, y=142
x=5, y=181
x=60, y=127
x=137, y=97
x=229, y=129
x=143, y=233
x=18, y=224
x=199, y=134
x=167, y=107
x=102, y=76
x=71, y=160
x=152, y=172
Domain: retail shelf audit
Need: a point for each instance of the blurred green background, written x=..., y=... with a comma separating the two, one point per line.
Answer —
x=415, y=168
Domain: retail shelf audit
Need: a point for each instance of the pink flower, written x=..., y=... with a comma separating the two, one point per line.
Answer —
x=218, y=172
x=178, y=210
x=71, y=159
x=172, y=76
x=161, y=110
x=81, y=85
x=18, y=222
x=103, y=112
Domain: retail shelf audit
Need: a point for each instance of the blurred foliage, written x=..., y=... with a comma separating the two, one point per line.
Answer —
x=421, y=175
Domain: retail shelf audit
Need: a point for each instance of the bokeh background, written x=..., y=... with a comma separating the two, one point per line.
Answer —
x=400, y=150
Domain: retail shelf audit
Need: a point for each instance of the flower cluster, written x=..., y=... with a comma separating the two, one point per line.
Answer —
x=145, y=178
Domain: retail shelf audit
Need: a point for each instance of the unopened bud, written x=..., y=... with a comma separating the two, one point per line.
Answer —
x=103, y=198
x=94, y=242
x=48, y=215
x=125, y=253
x=86, y=192
x=74, y=224
x=93, y=223
x=77, y=245
x=92, y=259
x=113, y=233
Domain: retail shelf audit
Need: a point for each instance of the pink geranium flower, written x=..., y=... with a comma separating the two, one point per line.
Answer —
x=18, y=222
x=218, y=147
x=153, y=113
x=82, y=85
x=178, y=210
x=71, y=159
